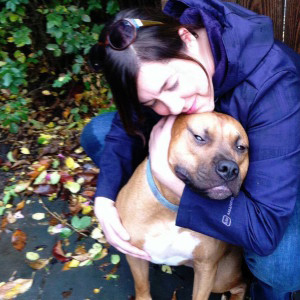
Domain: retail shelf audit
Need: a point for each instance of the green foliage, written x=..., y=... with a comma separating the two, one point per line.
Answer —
x=45, y=44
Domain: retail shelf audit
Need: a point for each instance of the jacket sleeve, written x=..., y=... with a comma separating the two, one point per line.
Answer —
x=121, y=155
x=257, y=218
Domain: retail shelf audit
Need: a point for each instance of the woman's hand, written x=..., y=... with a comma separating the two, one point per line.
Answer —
x=158, y=148
x=113, y=229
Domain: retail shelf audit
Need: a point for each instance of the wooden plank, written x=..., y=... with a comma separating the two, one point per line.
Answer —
x=292, y=25
x=272, y=8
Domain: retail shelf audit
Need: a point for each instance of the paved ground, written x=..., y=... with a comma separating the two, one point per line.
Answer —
x=78, y=283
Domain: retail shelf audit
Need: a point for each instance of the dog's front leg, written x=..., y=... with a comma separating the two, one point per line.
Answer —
x=140, y=272
x=204, y=279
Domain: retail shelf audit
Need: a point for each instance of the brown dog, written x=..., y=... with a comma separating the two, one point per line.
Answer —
x=209, y=152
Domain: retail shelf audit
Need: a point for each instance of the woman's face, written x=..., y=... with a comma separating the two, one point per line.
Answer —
x=175, y=87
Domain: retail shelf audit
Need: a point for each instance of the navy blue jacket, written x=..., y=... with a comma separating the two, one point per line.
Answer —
x=257, y=81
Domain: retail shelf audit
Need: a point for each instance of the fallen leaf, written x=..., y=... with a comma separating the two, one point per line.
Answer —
x=58, y=252
x=66, y=266
x=39, y=264
x=104, y=253
x=54, y=178
x=73, y=187
x=166, y=269
x=4, y=223
x=41, y=177
x=38, y=216
x=10, y=156
x=22, y=186
x=74, y=263
x=88, y=194
x=20, y=205
x=80, y=249
x=115, y=259
x=20, y=163
x=11, y=218
x=86, y=209
x=74, y=206
x=67, y=294
x=18, y=215
x=81, y=223
x=32, y=256
x=25, y=150
x=70, y=163
x=12, y=289
x=19, y=239
x=81, y=257
x=46, y=189
x=96, y=291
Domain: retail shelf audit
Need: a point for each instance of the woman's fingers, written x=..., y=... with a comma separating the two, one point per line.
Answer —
x=113, y=229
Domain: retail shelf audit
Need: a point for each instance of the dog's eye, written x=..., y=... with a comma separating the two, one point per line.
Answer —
x=198, y=138
x=241, y=147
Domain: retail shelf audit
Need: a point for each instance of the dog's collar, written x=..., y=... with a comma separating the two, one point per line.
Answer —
x=156, y=192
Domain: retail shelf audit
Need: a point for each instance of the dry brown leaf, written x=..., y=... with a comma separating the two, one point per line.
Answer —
x=4, y=223
x=19, y=239
x=74, y=206
x=80, y=249
x=66, y=266
x=39, y=264
x=82, y=257
x=66, y=112
x=12, y=289
x=20, y=205
x=11, y=218
x=20, y=163
x=104, y=252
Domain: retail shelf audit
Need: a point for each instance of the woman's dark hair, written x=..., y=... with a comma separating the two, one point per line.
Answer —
x=120, y=67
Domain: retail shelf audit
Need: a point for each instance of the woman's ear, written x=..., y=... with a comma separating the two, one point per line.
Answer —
x=187, y=37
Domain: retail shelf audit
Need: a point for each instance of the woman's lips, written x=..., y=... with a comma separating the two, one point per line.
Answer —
x=193, y=108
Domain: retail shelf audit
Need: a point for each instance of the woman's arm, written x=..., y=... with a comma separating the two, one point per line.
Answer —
x=120, y=156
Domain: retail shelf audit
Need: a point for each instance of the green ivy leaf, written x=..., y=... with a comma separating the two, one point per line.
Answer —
x=7, y=78
x=81, y=223
x=13, y=128
x=2, y=209
x=66, y=233
x=112, y=7
x=85, y=18
x=115, y=259
x=52, y=47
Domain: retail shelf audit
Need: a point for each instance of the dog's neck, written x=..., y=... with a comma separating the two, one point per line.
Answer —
x=166, y=197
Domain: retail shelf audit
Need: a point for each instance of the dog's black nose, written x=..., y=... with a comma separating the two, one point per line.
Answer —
x=227, y=169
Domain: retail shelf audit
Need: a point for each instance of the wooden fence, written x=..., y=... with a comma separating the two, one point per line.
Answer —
x=284, y=13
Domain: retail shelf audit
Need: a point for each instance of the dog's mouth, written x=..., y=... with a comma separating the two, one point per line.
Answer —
x=219, y=192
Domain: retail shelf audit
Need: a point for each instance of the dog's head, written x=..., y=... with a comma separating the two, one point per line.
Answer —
x=209, y=152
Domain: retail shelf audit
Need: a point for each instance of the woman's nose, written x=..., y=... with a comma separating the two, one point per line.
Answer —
x=173, y=104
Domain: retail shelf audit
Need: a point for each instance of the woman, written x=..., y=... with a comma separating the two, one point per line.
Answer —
x=225, y=58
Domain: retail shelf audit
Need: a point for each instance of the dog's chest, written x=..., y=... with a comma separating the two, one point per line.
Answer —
x=169, y=244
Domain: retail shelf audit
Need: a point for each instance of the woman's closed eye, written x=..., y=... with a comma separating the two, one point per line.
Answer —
x=173, y=87
x=150, y=103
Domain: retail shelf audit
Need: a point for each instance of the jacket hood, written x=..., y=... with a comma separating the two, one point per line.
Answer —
x=239, y=38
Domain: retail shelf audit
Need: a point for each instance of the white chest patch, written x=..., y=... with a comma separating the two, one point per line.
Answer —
x=166, y=245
